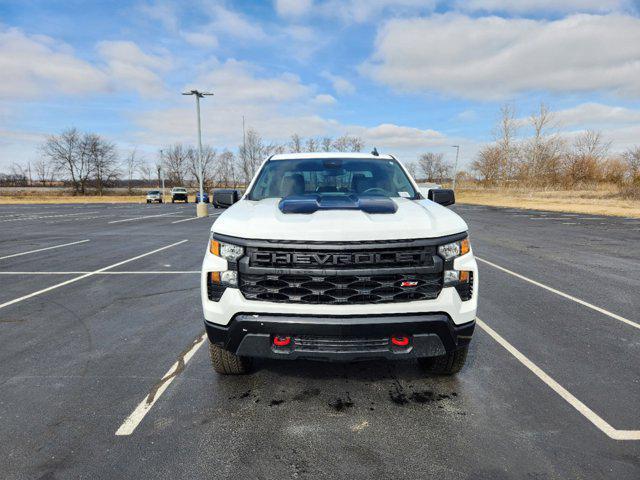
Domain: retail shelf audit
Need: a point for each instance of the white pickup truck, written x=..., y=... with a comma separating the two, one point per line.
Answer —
x=338, y=256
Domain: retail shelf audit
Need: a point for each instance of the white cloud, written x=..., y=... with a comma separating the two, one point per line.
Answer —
x=594, y=114
x=324, y=99
x=393, y=136
x=130, y=68
x=163, y=12
x=340, y=84
x=492, y=57
x=358, y=11
x=545, y=6
x=276, y=106
x=233, y=24
x=200, y=39
x=293, y=8
x=34, y=65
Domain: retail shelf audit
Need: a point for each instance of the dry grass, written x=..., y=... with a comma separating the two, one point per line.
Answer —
x=51, y=199
x=598, y=201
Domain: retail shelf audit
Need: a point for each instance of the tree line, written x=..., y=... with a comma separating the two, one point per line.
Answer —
x=86, y=161
x=549, y=158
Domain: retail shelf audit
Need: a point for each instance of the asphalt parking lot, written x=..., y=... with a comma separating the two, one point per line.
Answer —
x=104, y=374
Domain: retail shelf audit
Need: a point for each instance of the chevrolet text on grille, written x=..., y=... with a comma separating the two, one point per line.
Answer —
x=294, y=258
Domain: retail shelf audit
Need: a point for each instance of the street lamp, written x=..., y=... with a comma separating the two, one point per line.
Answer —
x=201, y=209
x=455, y=167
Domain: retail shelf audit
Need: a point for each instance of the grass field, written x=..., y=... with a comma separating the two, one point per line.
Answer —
x=603, y=201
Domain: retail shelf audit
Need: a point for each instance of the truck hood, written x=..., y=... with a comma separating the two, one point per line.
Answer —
x=413, y=219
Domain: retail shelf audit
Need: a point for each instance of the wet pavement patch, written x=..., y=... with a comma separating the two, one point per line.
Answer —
x=340, y=404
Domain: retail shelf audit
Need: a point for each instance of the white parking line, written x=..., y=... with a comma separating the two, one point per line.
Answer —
x=187, y=219
x=590, y=415
x=141, y=272
x=133, y=420
x=43, y=249
x=565, y=295
x=140, y=218
x=75, y=279
x=39, y=217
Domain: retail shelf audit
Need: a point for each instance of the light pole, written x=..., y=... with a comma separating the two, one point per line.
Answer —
x=201, y=209
x=164, y=198
x=455, y=166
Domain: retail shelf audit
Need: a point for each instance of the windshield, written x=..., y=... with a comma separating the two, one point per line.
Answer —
x=153, y=192
x=333, y=176
x=179, y=190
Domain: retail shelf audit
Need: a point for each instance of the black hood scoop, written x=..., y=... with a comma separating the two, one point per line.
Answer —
x=314, y=202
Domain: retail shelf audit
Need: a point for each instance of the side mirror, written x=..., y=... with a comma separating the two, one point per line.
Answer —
x=443, y=196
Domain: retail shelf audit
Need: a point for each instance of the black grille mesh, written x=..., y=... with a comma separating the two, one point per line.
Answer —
x=311, y=343
x=341, y=289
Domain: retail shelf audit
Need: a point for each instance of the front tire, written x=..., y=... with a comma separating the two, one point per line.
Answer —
x=226, y=363
x=448, y=364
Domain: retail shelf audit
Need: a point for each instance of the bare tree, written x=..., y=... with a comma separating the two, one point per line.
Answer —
x=312, y=145
x=295, y=144
x=542, y=153
x=583, y=164
x=103, y=158
x=505, y=133
x=487, y=164
x=325, y=144
x=175, y=162
x=131, y=164
x=44, y=170
x=434, y=166
x=208, y=164
x=348, y=143
x=632, y=157
x=69, y=155
x=147, y=171
x=413, y=168
x=227, y=169
x=252, y=153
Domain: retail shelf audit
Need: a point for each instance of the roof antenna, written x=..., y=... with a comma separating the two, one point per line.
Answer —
x=374, y=152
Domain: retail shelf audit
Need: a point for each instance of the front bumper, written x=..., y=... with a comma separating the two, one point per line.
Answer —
x=340, y=338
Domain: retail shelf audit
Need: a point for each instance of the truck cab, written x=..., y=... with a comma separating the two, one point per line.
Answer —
x=340, y=257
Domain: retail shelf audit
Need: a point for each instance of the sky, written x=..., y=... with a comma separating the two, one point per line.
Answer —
x=408, y=76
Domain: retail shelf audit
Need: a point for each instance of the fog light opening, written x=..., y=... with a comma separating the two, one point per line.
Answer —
x=400, y=340
x=279, y=341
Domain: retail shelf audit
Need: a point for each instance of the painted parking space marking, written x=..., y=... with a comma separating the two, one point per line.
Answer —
x=187, y=219
x=140, y=272
x=43, y=249
x=141, y=218
x=562, y=294
x=134, y=419
x=589, y=414
x=95, y=272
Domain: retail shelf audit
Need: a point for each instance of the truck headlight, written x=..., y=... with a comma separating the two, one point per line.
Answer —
x=454, y=249
x=228, y=251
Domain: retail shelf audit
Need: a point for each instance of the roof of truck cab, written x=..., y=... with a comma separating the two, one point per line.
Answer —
x=345, y=155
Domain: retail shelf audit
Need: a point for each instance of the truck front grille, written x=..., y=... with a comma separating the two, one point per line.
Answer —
x=309, y=343
x=341, y=289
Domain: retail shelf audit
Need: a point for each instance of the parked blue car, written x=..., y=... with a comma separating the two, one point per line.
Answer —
x=205, y=197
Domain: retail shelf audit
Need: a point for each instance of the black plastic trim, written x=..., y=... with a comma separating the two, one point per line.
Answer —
x=333, y=245
x=230, y=337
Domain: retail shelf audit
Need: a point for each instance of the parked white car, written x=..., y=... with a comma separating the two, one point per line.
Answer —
x=154, y=196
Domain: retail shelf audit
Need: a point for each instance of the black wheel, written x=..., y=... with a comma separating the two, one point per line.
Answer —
x=448, y=364
x=173, y=201
x=226, y=363
x=148, y=201
x=159, y=201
